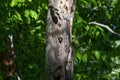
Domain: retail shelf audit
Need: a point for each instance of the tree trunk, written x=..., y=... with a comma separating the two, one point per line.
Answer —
x=59, y=53
x=8, y=66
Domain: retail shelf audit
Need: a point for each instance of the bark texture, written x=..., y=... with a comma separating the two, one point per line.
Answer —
x=59, y=53
x=7, y=63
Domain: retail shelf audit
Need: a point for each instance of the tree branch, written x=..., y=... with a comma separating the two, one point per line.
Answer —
x=105, y=26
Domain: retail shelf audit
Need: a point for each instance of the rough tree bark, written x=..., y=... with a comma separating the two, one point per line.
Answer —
x=8, y=66
x=59, y=53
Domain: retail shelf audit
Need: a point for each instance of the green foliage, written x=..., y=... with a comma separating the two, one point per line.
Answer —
x=97, y=54
x=26, y=20
x=96, y=50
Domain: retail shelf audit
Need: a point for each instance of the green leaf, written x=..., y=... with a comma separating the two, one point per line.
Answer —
x=107, y=14
x=93, y=1
x=87, y=28
x=16, y=2
x=32, y=31
x=77, y=77
x=44, y=6
x=12, y=4
x=30, y=66
x=28, y=20
x=79, y=56
x=38, y=27
x=27, y=13
x=30, y=0
x=104, y=57
x=97, y=55
x=97, y=33
x=75, y=41
x=100, y=28
x=85, y=2
x=18, y=16
x=84, y=58
x=33, y=14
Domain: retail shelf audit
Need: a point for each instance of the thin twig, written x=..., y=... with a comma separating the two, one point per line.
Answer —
x=105, y=26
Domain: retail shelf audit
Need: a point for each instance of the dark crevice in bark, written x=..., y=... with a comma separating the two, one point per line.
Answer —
x=52, y=12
